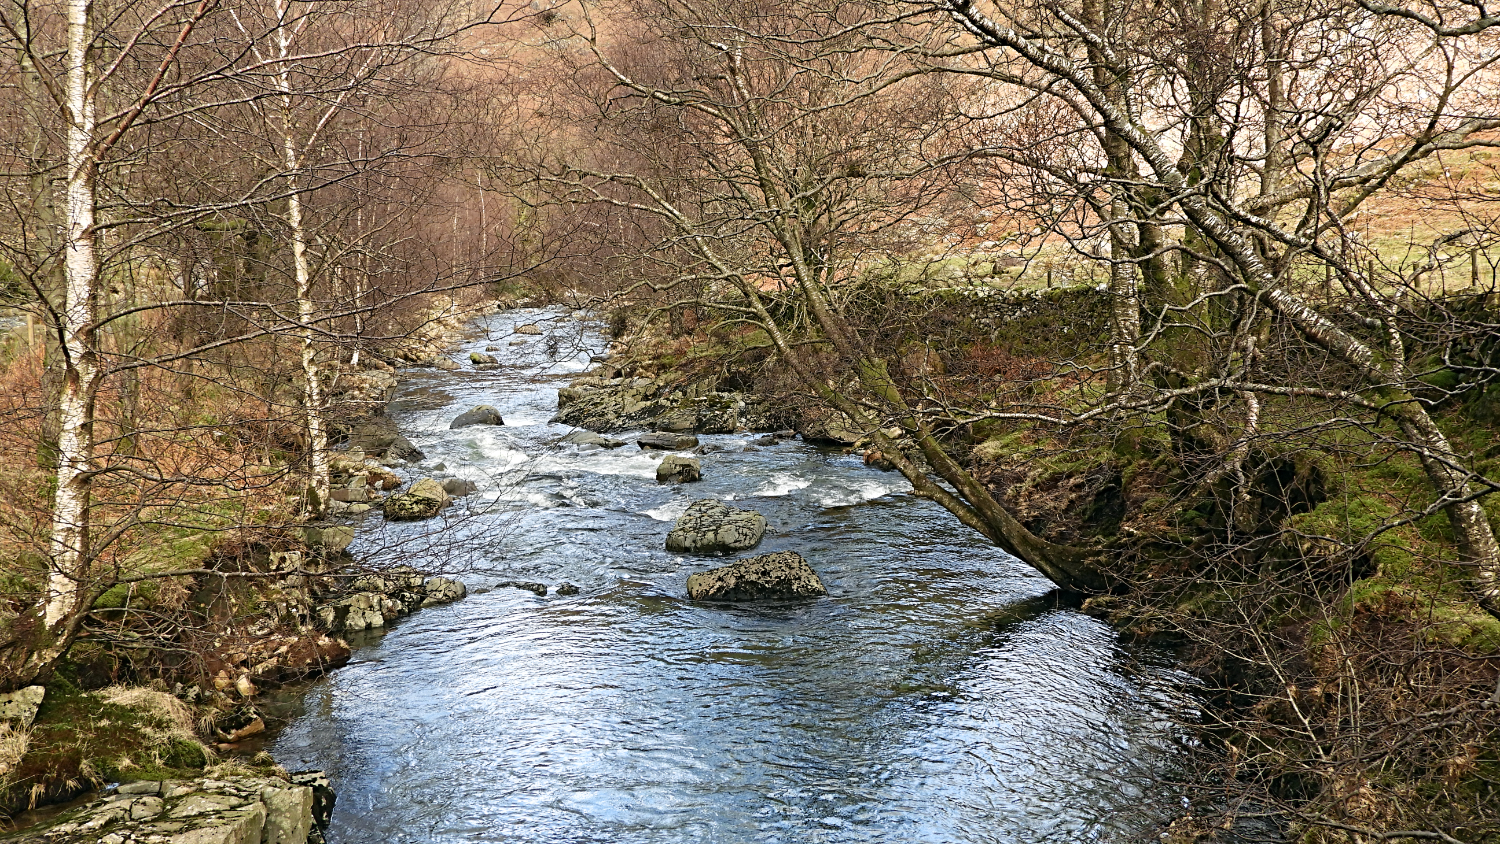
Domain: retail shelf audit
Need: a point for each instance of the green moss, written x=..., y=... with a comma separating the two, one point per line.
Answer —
x=81, y=740
x=1353, y=519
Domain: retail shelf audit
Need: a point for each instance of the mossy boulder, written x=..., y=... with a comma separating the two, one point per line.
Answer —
x=779, y=575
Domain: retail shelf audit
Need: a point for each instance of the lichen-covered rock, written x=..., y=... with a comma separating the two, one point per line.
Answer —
x=331, y=539
x=782, y=574
x=479, y=415
x=712, y=527
x=678, y=470
x=381, y=597
x=667, y=442
x=528, y=329
x=18, y=708
x=239, y=810
x=443, y=590
x=423, y=501
x=360, y=611
x=481, y=357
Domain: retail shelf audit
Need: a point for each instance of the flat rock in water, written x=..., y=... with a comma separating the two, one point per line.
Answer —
x=528, y=329
x=678, y=470
x=591, y=438
x=782, y=574
x=480, y=415
x=712, y=527
x=667, y=442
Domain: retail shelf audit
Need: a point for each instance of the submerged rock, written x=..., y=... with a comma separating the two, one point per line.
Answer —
x=782, y=574
x=711, y=527
x=567, y=589
x=479, y=415
x=667, y=442
x=678, y=470
x=538, y=589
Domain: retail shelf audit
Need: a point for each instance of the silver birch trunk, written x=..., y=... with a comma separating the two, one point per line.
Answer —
x=312, y=388
x=70, y=550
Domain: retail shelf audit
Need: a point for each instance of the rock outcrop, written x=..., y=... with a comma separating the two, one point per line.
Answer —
x=480, y=415
x=678, y=470
x=378, y=437
x=238, y=810
x=782, y=574
x=423, y=501
x=614, y=404
x=378, y=599
x=712, y=527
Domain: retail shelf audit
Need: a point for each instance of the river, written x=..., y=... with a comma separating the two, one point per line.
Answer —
x=938, y=694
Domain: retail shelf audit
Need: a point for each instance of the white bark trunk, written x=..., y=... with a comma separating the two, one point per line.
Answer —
x=1124, y=294
x=312, y=388
x=70, y=550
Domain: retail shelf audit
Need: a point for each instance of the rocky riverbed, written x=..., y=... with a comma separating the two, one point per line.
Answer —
x=934, y=693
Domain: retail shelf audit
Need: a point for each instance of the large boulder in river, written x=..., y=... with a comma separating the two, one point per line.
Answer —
x=782, y=574
x=713, y=527
x=423, y=501
x=480, y=415
x=478, y=358
x=667, y=442
x=528, y=329
x=678, y=470
x=378, y=437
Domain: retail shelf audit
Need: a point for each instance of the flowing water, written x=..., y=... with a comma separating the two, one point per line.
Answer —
x=938, y=694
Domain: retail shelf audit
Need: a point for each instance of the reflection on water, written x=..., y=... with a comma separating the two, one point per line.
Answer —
x=937, y=695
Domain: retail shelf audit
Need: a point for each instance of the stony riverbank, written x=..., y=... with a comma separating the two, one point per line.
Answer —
x=178, y=679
